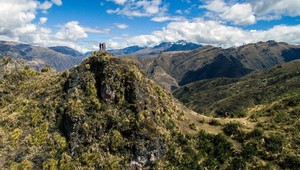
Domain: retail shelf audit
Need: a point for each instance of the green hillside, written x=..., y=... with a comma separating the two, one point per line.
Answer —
x=106, y=114
x=235, y=97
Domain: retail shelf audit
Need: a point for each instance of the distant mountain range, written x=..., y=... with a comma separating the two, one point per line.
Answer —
x=174, y=70
x=60, y=58
x=180, y=45
x=169, y=64
x=63, y=57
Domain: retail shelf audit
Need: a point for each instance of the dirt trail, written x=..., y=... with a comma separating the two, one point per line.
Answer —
x=201, y=123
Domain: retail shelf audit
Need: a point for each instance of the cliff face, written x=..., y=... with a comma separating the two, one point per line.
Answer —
x=111, y=103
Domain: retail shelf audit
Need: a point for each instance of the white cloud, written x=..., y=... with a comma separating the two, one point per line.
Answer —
x=122, y=26
x=48, y=4
x=71, y=31
x=17, y=23
x=211, y=32
x=178, y=11
x=138, y=8
x=97, y=31
x=274, y=9
x=43, y=20
x=238, y=14
x=217, y=6
x=251, y=10
x=45, y=6
x=120, y=2
x=167, y=18
x=57, y=2
x=16, y=13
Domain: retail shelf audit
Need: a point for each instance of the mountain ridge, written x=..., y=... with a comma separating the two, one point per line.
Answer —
x=37, y=57
x=180, y=45
x=211, y=62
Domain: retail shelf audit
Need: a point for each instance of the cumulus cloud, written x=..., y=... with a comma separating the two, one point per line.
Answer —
x=57, y=2
x=212, y=32
x=138, y=8
x=178, y=11
x=238, y=14
x=167, y=18
x=71, y=31
x=250, y=11
x=18, y=24
x=45, y=6
x=275, y=9
x=120, y=2
x=48, y=4
x=96, y=31
x=15, y=13
x=121, y=26
x=43, y=20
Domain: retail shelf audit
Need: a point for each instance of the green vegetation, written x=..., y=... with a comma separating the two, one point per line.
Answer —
x=105, y=113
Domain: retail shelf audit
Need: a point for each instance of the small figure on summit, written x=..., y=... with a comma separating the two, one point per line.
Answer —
x=102, y=47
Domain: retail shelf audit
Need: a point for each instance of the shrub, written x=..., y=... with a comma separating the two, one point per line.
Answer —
x=50, y=164
x=233, y=130
x=214, y=122
x=40, y=135
x=274, y=143
x=291, y=162
x=256, y=133
x=249, y=150
x=237, y=163
x=193, y=126
x=45, y=69
x=117, y=142
x=6, y=60
x=281, y=117
x=239, y=114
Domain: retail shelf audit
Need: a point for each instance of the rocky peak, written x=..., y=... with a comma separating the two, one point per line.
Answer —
x=108, y=97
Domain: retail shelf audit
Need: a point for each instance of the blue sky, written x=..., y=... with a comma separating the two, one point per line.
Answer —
x=81, y=24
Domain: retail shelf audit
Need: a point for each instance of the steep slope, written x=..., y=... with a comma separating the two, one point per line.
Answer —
x=8, y=65
x=104, y=114
x=235, y=96
x=37, y=57
x=211, y=62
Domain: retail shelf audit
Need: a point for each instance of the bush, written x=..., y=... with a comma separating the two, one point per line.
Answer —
x=231, y=129
x=291, y=162
x=193, y=126
x=237, y=163
x=249, y=150
x=281, y=117
x=256, y=133
x=239, y=114
x=274, y=143
x=214, y=122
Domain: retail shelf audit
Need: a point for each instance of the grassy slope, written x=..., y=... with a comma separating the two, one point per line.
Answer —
x=236, y=96
x=105, y=113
